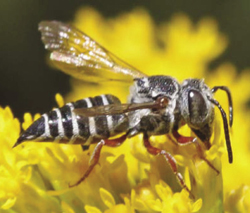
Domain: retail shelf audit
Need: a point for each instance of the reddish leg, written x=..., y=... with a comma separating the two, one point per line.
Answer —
x=183, y=140
x=170, y=159
x=201, y=155
x=96, y=155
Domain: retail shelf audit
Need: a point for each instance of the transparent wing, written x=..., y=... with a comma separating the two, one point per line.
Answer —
x=78, y=55
x=113, y=109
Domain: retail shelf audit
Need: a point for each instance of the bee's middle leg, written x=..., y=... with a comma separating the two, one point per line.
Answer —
x=96, y=155
x=169, y=158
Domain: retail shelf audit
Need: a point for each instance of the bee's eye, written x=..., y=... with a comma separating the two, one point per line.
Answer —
x=197, y=107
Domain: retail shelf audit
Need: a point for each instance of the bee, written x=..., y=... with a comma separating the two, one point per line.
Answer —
x=157, y=105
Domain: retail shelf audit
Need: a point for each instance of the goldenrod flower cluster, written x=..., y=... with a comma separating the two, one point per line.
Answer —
x=34, y=177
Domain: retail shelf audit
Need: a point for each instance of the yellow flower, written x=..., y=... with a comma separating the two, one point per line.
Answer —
x=35, y=176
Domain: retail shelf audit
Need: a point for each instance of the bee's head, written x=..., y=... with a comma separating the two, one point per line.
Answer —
x=196, y=109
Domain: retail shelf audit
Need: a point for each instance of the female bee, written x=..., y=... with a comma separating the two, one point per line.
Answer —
x=157, y=105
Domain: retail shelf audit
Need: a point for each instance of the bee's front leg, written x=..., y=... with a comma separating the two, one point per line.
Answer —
x=183, y=140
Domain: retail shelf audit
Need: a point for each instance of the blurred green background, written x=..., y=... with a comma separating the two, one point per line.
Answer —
x=28, y=84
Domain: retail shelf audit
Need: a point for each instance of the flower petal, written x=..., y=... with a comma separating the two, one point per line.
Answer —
x=107, y=198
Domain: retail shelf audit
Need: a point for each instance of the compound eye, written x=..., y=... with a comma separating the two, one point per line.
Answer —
x=197, y=107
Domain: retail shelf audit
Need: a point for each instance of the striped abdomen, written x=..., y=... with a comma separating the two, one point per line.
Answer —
x=64, y=126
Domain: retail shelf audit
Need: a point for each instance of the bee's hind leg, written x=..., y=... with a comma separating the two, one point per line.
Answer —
x=96, y=155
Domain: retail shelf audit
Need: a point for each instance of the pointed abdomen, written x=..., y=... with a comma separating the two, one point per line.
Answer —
x=62, y=125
